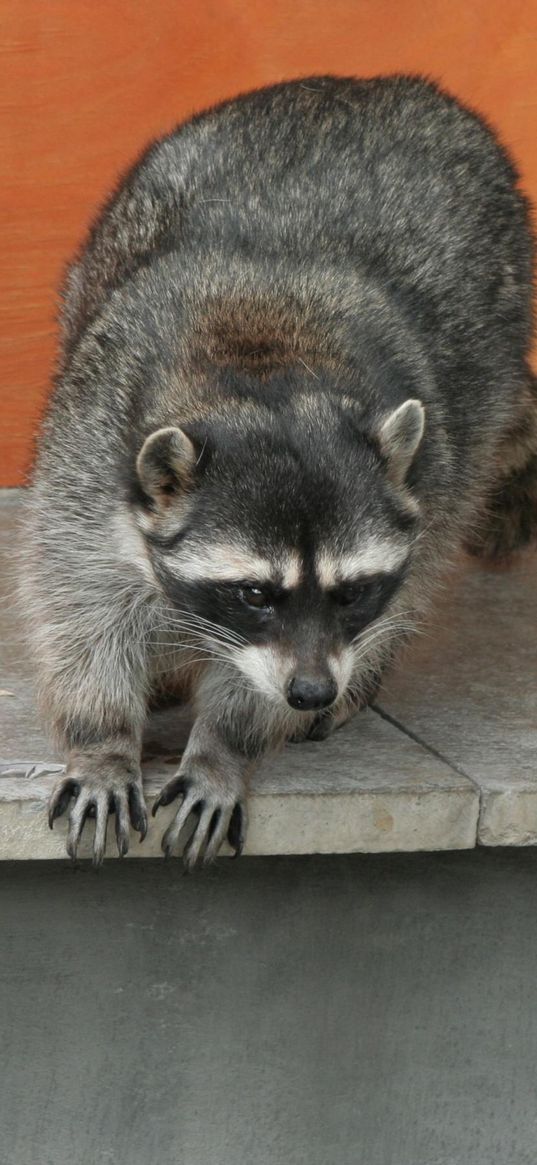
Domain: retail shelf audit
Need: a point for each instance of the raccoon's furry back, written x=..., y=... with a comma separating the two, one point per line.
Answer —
x=389, y=177
x=252, y=230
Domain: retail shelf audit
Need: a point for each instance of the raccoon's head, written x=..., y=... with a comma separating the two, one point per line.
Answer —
x=281, y=539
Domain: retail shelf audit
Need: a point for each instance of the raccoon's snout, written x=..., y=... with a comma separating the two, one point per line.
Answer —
x=310, y=694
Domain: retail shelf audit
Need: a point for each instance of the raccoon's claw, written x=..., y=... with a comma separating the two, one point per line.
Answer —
x=215, y=815
x=237, y=829
x=137, y=811
x=60, y=799
x=98, y=798
x=177, y=786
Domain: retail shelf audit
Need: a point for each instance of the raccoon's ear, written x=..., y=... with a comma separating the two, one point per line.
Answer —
x=399, y=437
x=165, y=465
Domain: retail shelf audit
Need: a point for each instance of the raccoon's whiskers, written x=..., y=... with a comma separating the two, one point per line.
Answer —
x=171, y=661
x=307, y=367
x=191, y=621
x=384, y=633
x=190, y=650
x=424, y=530
x=194, y=634
x=388, y=621
x=198, y=641
x=393, y=626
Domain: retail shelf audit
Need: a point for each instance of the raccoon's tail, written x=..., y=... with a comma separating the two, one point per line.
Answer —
x=509, y=520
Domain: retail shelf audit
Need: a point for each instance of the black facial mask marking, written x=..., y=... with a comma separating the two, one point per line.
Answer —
x=339, y=614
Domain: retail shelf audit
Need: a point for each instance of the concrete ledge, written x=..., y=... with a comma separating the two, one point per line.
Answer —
x=370, y=789
x=468, y=692
x=447, y=761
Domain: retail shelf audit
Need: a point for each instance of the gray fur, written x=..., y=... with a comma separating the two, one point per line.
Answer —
x=276, y=280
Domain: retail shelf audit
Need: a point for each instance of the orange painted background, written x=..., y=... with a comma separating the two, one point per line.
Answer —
x=86, y=83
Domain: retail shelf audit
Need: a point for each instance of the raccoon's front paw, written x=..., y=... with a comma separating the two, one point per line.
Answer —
x=217, y=809
x=100, y=786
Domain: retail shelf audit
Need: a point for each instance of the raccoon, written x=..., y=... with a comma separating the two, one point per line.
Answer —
x=293, y=382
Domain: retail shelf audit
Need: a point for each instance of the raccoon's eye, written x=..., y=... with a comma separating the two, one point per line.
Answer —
x=255, y=597
x=349, y=593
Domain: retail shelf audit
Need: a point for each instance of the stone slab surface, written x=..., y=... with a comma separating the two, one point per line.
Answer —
x=370, y=788
x=468, y=690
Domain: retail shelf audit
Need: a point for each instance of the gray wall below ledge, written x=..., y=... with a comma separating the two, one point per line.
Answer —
x=365, y=1010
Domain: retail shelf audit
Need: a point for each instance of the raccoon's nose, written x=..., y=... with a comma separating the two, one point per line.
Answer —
x=309, y=694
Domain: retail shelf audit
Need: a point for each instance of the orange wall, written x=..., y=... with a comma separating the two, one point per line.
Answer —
x=88, y=82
